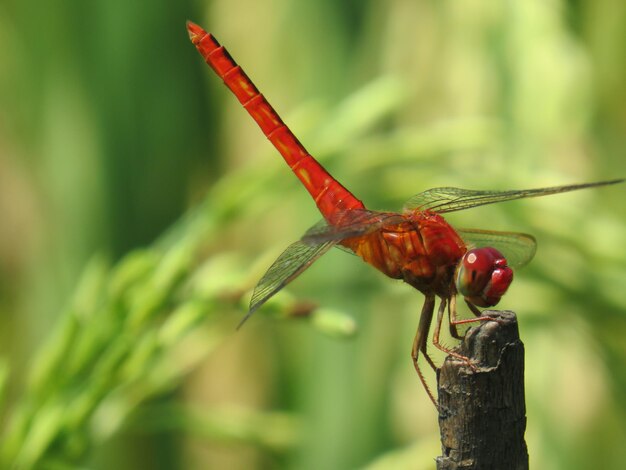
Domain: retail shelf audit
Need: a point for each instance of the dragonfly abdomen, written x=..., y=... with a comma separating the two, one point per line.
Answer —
x=329, y=195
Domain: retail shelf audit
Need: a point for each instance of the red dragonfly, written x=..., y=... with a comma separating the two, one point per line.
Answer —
x=417, y=245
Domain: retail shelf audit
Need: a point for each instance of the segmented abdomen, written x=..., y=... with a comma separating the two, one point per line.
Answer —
x=330, y=196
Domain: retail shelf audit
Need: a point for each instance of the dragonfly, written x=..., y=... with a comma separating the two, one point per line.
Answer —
x=416, y=245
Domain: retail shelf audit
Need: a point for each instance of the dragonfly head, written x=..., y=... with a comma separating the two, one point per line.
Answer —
x=483, y=276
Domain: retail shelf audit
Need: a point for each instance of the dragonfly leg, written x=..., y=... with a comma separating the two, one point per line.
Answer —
x=475, y=311
x=452, y=316
x=454, y=322
x=441, y=347
x=420, y=341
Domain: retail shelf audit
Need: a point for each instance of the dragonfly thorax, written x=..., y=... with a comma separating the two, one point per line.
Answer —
x=419, y=248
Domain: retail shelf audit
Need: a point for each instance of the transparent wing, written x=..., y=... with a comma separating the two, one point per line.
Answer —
x=517, y=248
x=454, y=199
x=289, y=265
x=354, y=223
x=322, y=233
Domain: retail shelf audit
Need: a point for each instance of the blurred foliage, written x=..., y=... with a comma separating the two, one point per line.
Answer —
x=120, y=151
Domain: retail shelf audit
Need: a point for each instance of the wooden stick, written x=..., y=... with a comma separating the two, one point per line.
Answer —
x=482, y=413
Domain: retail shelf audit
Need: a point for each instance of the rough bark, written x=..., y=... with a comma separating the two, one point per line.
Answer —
x=482, y=413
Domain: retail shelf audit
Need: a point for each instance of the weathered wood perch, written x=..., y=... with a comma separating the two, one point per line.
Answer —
x=482, y=413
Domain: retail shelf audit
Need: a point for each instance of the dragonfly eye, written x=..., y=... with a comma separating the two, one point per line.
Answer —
x=483, y=276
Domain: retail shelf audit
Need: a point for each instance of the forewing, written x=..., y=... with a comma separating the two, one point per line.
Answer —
x=454, y=199
x=289, y=265
x=355, y=223
x=517, y=248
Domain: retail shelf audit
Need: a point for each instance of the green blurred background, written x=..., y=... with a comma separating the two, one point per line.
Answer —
x=112, y=128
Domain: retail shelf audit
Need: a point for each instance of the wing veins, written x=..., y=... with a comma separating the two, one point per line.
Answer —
x=289, y=265
x=449, y=199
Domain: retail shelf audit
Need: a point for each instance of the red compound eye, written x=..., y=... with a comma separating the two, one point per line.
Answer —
x=483, y=276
